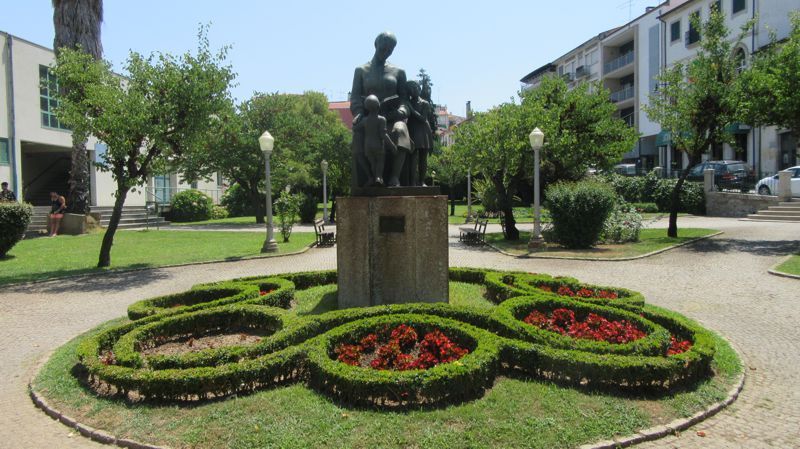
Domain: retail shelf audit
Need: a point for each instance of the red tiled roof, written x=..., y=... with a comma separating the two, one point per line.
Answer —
x=343, y=108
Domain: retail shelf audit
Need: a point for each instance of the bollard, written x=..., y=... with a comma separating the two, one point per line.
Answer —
x=708, y=180
x=785, y=185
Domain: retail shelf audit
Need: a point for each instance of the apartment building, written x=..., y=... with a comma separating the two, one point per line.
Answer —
x=627, y=60
x=445, y=124
x=766, y=149
x=35, y=148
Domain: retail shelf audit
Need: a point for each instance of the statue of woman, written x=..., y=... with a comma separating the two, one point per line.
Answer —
x=388, y=83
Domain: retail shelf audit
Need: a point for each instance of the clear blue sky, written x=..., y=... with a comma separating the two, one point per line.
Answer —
x=473, y=50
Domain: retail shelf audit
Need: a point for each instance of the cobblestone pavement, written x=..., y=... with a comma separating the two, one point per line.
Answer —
x=721, y=282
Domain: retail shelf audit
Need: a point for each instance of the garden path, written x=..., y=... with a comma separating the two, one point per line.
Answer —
x=721, y=282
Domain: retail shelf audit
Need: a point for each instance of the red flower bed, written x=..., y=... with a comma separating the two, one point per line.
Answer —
x=581, y=293
x=265, y=292
x=678, y=346
x=593, y=327
x=400, y=349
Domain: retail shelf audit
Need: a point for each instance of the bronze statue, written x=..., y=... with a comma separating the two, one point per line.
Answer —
x=388, y=83
x=420, y=129
x=374, y=133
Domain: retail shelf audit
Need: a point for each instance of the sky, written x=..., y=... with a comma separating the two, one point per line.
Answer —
x=473, y=50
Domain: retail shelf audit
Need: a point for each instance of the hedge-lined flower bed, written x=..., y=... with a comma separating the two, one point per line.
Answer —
x=401, y=355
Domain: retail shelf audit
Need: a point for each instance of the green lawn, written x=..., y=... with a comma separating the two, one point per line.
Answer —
x=649, y=240
x=791, y=266
x=515, y=412
x=42, y=258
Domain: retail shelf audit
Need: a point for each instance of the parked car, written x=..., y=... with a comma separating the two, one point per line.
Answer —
x=625, y=169
x=769, y=185
x=728, y=175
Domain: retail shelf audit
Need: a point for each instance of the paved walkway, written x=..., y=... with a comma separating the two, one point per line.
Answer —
x=721, y=282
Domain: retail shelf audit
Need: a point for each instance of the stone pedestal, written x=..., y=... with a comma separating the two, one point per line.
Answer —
x=391, y=249
x=76, y=224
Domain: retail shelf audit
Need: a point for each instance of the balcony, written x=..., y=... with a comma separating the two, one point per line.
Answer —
x=618, y=63
x=582, y=71
x=623, y=94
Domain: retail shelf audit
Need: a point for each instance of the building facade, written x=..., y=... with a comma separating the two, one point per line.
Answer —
x=35, y=148
x=627, y=60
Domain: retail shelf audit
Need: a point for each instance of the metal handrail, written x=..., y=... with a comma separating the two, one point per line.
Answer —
x=619, y=62
x=622, y=94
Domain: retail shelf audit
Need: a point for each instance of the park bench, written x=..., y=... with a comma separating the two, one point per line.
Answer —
x=473, y=235
x=324, y=238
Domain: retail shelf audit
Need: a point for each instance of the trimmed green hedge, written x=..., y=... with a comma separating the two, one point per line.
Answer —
x=300, y=349
x=14, y=220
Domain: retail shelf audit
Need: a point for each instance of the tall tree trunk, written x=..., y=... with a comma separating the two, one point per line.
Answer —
x=504, y=196
x=77, y=25
x=258, y=202
x=675, y=198
x=108, y=237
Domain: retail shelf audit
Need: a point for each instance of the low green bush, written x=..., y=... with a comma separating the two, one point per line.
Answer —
x=578, y=211
x=236, y=201
x=218, y=212
x=14, y=220
x=645, y=208
x=300, y=348
x=308, y=208
x=191, y=205
x=623, y=225
x=692, y=197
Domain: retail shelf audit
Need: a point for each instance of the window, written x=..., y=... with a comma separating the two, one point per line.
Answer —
x=675, y=31
x=740, y=59
x=693, y=35
x=738, y=5
x=5, y=157
x=48, y=87
x=220, y=182
x=100, y=150
x=716, y=5
x=591, y=58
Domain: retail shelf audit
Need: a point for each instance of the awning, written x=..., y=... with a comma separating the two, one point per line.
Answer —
x=663, y=138
x=737, y=128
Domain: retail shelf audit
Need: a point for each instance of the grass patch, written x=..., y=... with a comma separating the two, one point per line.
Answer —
x=650, y=240
x=65, y=255
x=515, y=412
x=791, y=266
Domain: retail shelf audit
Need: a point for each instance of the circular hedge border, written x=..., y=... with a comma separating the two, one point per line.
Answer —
x=298, y=349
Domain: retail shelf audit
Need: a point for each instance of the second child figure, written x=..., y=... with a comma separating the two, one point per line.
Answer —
x=375, y=136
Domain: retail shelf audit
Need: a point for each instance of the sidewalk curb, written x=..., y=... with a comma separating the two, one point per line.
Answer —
x=774, y=269
x=678, y=425
x=115, y=271
x=606, y=259
x=89, y=432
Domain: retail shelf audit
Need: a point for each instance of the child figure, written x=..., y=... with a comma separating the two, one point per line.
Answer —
x=375, y=137
x=421, y=133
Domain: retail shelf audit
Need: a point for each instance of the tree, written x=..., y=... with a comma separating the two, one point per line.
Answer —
x=305, y=132
x=160, y=111
x=425, y=84
x=449, y=171
x=77, y=27
x=769, y=89
x=580, y=132
x=698, y=99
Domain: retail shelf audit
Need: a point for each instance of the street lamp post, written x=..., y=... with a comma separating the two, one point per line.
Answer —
x=537, y=140
x=324, y=166
x=469, y=196
x=266, y=141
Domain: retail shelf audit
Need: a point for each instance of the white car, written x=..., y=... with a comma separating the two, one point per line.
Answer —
x=769, y=185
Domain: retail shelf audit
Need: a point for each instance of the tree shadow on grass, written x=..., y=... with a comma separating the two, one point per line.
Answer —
x=755, y=247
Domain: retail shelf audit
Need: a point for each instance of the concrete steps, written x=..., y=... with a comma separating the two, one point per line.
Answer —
x=785, y=211
x=132, y=217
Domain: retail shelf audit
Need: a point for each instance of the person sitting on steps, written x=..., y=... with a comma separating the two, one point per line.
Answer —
x=59, y=205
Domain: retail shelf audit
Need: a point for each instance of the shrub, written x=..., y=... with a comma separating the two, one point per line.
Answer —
x=645, y=208
x=308, y=208
x=286, y=208
x=692, y=197
x=237, y=201
x=191, y=205
x=578, y=211
x=14, y=220
x=623, y=225
x=486, y=194
x=634, y=189
x=218, y=212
